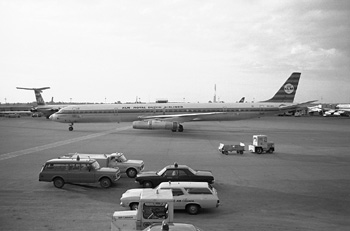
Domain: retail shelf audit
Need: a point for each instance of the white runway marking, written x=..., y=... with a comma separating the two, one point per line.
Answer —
x=59, y=143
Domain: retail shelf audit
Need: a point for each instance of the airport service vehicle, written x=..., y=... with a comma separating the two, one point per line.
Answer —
x=155, y=206
x=173, y=173
x=261, y=145
x=114, y=160
x=172, y=227
x=191, y=196
x=226, y=148
x=61, y=171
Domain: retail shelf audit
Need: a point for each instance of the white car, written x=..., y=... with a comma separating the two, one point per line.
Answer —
x=191, y=196
x=172, y=227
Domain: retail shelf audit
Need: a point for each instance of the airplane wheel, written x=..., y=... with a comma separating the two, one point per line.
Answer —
x=181, y=128
x=70, y=128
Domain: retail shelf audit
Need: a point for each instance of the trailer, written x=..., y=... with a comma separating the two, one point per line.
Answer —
x=226, y=148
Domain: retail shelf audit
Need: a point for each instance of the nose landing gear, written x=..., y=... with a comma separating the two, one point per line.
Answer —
x=70, y=127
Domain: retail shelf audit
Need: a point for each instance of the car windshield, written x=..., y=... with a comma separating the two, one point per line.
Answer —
x=122, y=158
x=160, y=172
x=95, y=165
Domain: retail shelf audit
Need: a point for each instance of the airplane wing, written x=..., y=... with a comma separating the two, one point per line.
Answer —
x=180, y=117
x=295, y=106
x=202, y=116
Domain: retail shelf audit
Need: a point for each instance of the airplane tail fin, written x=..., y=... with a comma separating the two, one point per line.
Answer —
x=37, y=92
x=287, y=92
x=242, y=100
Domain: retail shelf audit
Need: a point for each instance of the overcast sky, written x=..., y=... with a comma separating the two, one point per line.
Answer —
x=108, y=51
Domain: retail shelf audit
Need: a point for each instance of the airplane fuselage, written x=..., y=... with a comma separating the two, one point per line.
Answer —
x=131, y=112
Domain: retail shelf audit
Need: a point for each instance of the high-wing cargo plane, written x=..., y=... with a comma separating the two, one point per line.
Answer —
x=340, y=110
x=171, y=116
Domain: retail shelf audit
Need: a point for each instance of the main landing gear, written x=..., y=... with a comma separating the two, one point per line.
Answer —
x=70, y=127
x=180, y=129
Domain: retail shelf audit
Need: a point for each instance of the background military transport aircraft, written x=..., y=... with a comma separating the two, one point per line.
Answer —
x=42, y=107
x=170, y=116
x=340, y=110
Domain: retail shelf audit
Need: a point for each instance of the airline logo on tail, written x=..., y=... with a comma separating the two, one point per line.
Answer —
x=288, y=88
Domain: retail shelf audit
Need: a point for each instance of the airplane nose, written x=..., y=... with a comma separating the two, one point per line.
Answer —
x=53, y=117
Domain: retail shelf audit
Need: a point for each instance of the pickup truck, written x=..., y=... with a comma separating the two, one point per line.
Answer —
x=114, y=160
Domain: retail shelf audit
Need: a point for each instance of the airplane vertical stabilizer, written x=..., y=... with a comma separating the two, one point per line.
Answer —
x=37, y=92
x=287, y=92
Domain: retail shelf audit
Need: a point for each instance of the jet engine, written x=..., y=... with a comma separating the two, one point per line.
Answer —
x=156, y=124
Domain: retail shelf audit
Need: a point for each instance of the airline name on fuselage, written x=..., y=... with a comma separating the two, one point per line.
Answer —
x=151, y=107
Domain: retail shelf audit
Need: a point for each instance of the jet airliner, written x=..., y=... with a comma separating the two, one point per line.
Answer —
x=170, y=116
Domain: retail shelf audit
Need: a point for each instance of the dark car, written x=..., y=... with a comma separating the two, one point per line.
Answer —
x=174, y=173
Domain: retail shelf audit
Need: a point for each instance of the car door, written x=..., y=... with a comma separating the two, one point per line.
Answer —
x=171, y=175
x=184, y=175
x=179, y=198
x=202, y=196
x=119, y=163
x=79, y=173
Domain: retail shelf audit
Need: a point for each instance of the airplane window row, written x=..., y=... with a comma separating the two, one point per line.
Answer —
x=168, y=110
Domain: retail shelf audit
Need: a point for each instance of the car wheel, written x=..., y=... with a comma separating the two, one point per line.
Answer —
x=58, y=182
x=131, y=173
x=192, y=209
x=105, y=182
x=259, y=150
x=134, y=206
x=147, y=184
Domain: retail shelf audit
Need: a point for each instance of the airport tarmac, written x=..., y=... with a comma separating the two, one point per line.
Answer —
x=304, y=185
